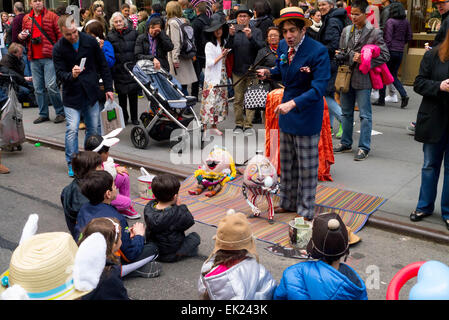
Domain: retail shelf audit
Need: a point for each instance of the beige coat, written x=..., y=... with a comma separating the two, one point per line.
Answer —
x=185, y=74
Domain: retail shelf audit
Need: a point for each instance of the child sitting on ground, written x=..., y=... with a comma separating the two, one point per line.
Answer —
x=99, y=188
x=326, y=278
x=233, y=271
x=110, y=286
x=166, y=221
x=120, y=175
x=71, y=197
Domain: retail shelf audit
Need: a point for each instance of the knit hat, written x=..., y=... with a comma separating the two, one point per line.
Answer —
x=329, y=237
x=234, y=233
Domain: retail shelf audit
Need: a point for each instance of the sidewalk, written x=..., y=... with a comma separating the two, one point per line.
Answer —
x=392, y=170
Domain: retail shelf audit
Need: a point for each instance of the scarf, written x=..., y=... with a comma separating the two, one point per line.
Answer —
x=274, y=49
x=316, y=26
x=153, y=44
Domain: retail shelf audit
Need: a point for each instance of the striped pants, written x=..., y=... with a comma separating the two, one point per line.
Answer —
x=299, y=173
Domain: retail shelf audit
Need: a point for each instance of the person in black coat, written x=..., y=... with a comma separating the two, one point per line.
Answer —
x=263, y=18
x=167, y=222
x=432, y=129
x=199, y=24
x=123, y=38
x=268, y=54
x=80, y=88
x=161, y=41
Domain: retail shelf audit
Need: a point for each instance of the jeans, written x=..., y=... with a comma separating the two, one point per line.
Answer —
x=26, y=62
x=334, y=109
x=434, y=154
x=393, y=65
x=44, y=77
x=363, y=98
x=91, y=116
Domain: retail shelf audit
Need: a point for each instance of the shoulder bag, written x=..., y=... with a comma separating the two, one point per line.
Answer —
x=344, y=73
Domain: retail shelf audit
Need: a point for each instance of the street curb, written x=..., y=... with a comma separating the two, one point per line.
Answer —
x=384, y=224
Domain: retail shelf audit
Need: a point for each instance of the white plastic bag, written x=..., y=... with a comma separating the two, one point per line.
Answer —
x=111, y=117
x=11, y=123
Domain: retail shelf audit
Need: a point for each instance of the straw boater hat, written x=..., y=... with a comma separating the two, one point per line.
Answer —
x=50, y=266
x=292, y=13
x=234, y=233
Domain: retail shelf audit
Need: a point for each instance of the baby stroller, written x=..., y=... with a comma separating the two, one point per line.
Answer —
x=12, y=133
x=167, y=107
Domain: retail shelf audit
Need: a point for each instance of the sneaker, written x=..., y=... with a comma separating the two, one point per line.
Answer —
x=404, y=102
x=59, y=118
x=411, y=128
x=238, y=130
x=341, y=148
x=375, y=94
x=3, y=169
x=130, y=213
x=41, y=119
x=361, y=155
x=152, y=269
x=340, y=132
x=249, y=132
x=70, y=171
x=393, y=98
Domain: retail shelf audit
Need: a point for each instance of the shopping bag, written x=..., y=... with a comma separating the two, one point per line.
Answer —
x=11, y=121
x=111, y=117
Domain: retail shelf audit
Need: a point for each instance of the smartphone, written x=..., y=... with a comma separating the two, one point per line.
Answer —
x=82, y=63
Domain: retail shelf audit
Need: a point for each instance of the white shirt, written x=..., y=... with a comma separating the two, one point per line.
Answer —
x=212, y=73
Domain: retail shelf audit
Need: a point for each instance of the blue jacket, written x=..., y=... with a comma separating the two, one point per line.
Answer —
x=306, y=89
x=108, y=51
x=131, y=248
x=316, y=280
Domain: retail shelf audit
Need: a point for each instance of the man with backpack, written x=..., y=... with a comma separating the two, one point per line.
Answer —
x=199, y=24
x=40, y=32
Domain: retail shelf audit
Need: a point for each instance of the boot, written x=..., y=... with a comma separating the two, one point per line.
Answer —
x=404, y=102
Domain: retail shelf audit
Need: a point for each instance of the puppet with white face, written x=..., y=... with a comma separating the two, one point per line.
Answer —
x=260, y=179
x=216, y=171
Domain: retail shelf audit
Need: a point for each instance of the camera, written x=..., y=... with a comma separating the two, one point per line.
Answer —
x=36, y=40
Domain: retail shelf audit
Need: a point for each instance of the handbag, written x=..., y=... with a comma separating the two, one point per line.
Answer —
x=111, y=117
x=343, y=79
x=256, y=96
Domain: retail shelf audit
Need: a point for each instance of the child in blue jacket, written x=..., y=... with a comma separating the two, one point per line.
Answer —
x=326, y=278
x=99, y=188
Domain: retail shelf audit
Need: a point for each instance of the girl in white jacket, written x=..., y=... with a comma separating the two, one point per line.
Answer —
x=214, y=104
x=233, y=271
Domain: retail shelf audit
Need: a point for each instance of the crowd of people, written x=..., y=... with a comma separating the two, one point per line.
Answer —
x=313, y=40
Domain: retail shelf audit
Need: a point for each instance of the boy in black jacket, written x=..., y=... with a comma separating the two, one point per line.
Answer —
x=166, y=221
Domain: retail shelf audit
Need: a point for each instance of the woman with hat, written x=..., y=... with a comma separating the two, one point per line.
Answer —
x=214, y=104
x=233, y=271
x=305, y=69
x=326, y=278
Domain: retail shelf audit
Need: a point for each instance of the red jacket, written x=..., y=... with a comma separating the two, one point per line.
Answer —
x=50, y=26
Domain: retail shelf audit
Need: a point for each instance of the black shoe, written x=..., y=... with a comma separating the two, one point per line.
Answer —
x=238, y=130
x=379, y=103
x=341, y=148
x=59, y=118
x=404, y=102
x=41, y=119
x=136, y=122
x=361, y=155
x=418, y=216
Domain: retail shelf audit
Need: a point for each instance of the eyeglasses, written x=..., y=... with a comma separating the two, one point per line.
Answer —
x=274, y=36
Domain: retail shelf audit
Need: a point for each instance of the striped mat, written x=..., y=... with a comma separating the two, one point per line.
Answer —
x=354, y=208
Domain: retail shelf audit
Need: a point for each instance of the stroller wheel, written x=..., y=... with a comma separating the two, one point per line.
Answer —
x=139, y=137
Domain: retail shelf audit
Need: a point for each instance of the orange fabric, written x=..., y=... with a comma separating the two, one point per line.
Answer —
x=272, y=139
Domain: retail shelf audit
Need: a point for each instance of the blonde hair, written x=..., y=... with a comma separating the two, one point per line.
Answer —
x=114, y=15
x=132, y=9
x=173, y=9
x=144, y=14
